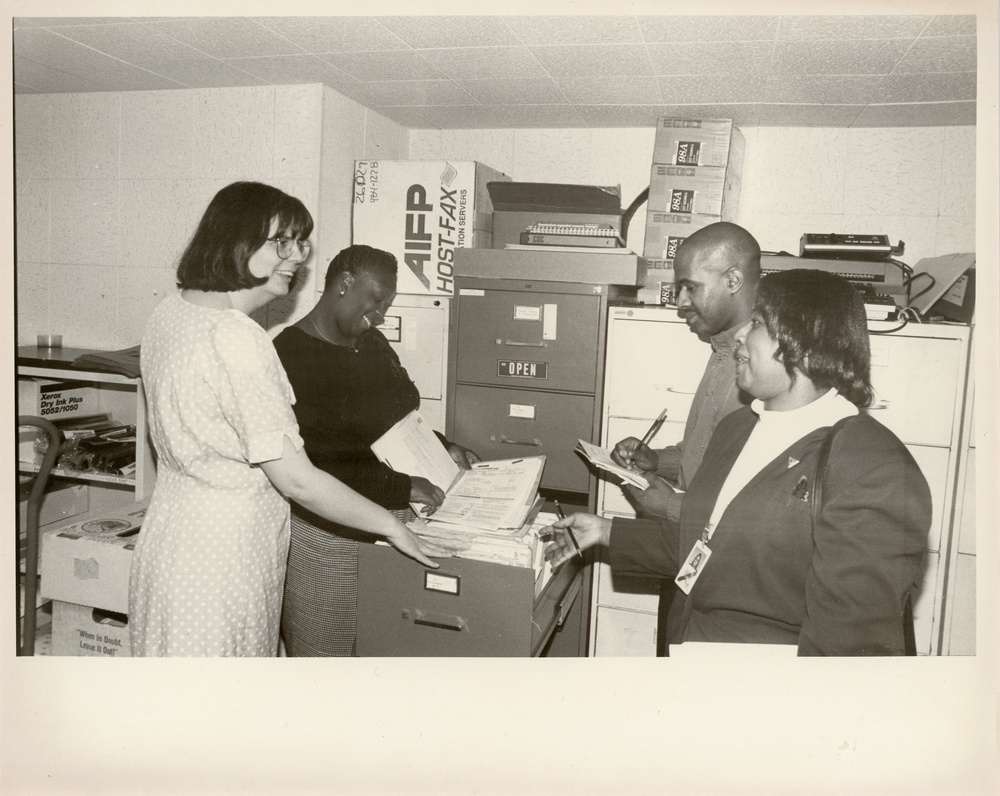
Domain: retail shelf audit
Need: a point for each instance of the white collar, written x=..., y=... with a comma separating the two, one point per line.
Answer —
x=824, y=411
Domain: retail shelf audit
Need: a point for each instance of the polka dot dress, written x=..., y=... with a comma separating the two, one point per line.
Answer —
x=209, y=563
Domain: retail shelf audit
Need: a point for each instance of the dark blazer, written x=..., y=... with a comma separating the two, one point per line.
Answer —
x=772, y=578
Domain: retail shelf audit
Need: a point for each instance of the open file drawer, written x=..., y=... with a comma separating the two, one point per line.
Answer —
x=465, y=608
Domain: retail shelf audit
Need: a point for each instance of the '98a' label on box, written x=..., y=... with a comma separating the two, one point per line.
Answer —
x=519, y=369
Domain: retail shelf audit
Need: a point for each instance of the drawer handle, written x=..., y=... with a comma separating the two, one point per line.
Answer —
x=680, y=392
x=877, y=406
x=443, y=621
x=523, y=345
x=534, y=443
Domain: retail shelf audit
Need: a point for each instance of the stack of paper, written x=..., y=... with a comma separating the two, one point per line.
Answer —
x=601, y=459
x=490, y=496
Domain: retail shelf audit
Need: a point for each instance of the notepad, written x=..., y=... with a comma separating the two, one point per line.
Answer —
x=601, y=458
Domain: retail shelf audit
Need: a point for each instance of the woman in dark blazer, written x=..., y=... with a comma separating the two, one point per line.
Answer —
x=758, y=561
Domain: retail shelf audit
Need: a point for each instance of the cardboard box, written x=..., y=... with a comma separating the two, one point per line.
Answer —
x=422, y=211
x=659, y=287
x=55, y=400
x=666, y=231
x=83, y=630
x=62, y=500
x=697, y=142
x=88, y=562
x=694, y=190
x=518, y=205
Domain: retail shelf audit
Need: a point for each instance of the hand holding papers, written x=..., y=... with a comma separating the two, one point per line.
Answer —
x=489, y=496
x=601, y=459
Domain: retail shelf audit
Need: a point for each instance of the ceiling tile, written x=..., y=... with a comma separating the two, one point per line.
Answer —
x=537, y=116
x=710, y=58
x=480, y=63
x=943, y=54
x=707, y=28
x=132, y=42
x=813, y=89
x=871, y=26
x=932, y=87
x=741, y=87
x=594, y=60
x=386, y=65
x=931, y=114
x=450, y=31
x=807, y=115
x=646, y=115
x=224, y=37
x=123, y=77
x=40, y=77
x=611, y=90
x=575, y=30
x=964, y=25
x=620, y=115
x=965, y=115
x=60, y=22
x=417, y=92
x=204, y=72
x=288, y=69
x=335, y=34
x=443, y=118
x=846, y=57
x=525, y=91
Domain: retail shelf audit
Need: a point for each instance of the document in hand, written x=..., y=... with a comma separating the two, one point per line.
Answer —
x=490, y=496
x=601, y=459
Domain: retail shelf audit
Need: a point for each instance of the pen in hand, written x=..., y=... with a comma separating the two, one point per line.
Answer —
x=562, y=515
x=655, y=428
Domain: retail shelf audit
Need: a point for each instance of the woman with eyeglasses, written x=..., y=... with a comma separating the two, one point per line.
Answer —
x=772, y=548
x=351, y=388
x=209, y=563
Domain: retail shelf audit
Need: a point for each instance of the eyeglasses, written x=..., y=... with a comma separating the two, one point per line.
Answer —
x=287, y=246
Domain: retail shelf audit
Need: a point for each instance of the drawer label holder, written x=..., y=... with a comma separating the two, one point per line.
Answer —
x=521, y=369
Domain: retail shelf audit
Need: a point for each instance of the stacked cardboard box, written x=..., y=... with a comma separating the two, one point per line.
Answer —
x=695, y=180
x=422, y=211
x=85, y=572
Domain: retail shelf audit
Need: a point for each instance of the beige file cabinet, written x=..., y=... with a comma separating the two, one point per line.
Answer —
x=919, y=374
x=653, y=362
x=416, y=327
x=960, y=592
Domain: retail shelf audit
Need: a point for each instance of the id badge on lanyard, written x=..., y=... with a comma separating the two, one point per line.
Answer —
x=694, y=563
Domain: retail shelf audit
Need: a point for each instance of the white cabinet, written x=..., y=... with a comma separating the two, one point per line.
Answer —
x=120, y=397
x=919, y=375
x=417, y=328
x=960, y=599
x=654, y=362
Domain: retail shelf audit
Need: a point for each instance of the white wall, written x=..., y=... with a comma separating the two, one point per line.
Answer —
x=110, y=186
x=912, y=184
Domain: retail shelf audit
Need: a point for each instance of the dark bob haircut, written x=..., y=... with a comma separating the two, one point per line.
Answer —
x=358, y=259
x=819, y=323
x=235, y=225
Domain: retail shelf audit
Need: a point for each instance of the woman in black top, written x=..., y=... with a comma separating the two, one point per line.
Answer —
x=350, y=388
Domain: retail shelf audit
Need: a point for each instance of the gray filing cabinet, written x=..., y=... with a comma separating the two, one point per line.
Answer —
x=525, y=372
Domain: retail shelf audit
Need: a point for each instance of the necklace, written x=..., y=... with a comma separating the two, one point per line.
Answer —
x=312, y=322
